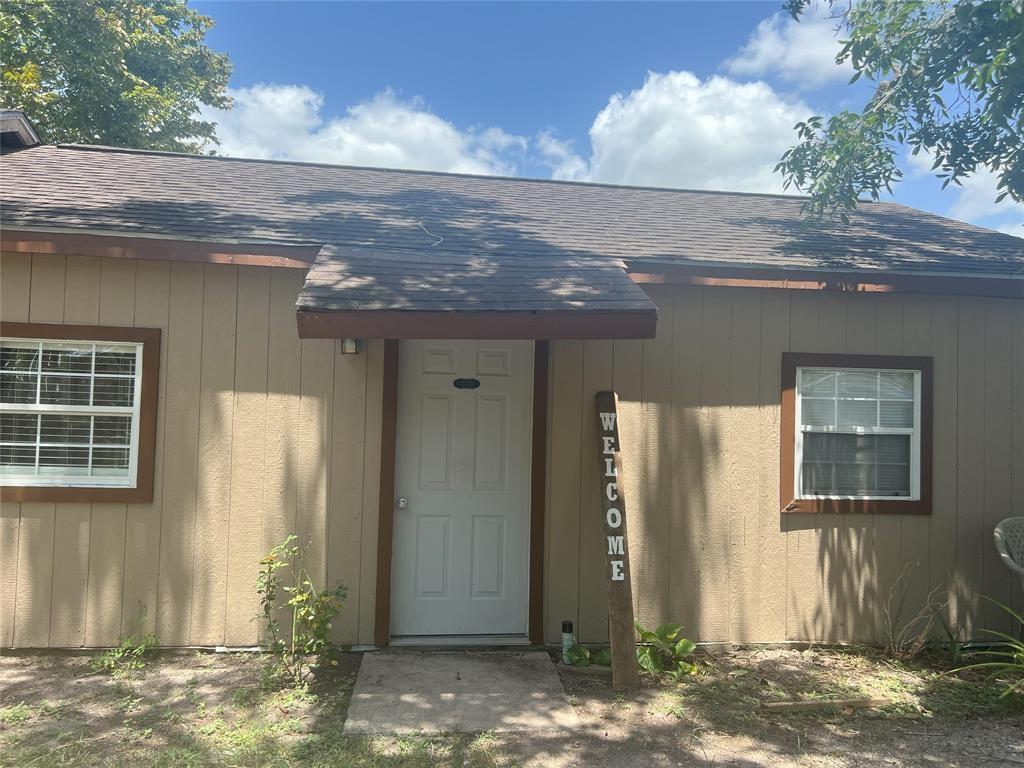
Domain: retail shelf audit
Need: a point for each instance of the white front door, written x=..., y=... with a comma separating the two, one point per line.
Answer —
x=462, y=488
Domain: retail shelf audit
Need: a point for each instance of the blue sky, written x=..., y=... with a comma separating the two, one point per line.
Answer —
x=695, y=94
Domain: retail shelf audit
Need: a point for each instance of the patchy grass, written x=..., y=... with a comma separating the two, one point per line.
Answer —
x=729, y=688
x=200, y=711
x=230, y=710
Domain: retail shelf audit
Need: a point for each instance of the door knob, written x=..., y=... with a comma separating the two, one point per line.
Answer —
x=403, y=503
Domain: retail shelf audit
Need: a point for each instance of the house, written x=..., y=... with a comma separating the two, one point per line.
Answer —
x=202, y=355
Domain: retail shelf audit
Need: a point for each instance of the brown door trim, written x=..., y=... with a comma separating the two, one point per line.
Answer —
x=538, y=489
x=538, y=492
x=386, y=513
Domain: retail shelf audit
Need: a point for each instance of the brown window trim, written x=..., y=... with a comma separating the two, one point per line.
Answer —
x=150, y=339
x=790, y=362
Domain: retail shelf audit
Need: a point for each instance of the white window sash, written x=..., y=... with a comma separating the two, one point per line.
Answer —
x=914, y=433
x=88, y=480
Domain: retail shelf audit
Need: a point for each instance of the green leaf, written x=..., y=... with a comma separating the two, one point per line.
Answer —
x=579, y=656
x=684, y=648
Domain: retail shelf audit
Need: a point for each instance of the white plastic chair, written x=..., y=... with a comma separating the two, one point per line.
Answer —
x=1009, y=536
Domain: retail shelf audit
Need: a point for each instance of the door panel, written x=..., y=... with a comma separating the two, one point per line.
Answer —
x=461, y=539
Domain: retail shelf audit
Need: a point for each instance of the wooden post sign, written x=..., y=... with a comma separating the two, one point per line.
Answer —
x=613, y=507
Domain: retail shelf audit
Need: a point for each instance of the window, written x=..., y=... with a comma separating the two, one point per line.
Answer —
x=858, y=433
x=77, y=411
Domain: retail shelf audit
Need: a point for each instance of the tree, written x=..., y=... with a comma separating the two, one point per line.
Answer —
x=949, y=81
x=128, y=73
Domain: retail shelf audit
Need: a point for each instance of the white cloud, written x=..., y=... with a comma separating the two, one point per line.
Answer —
x=975, y=198
x=799, y=52
x=565, y=163
x=285, y=122
x=678, y=131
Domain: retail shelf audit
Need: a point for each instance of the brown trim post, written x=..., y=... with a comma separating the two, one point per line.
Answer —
x=386, y=511
x=142, y=491
x=787, y=440
x=625, y=673
x=538, y=490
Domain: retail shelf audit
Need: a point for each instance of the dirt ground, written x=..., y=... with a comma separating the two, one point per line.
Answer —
x=206, y=709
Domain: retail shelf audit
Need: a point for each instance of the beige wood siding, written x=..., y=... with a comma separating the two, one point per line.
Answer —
x=700, y=429
x=259, y=434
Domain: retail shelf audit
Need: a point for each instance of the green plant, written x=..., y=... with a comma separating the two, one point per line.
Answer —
x=579, y=656
x=15, y=714
x=128, y=656
x=1007, y=655
x=308, y=610
x=952, y=644
x=665, y=651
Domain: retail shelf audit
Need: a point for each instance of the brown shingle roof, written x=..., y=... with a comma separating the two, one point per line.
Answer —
x=412, y=240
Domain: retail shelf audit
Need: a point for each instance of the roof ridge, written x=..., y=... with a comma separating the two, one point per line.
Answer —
x=421, y=172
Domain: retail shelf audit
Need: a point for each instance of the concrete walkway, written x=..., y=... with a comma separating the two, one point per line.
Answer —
x=400, y=692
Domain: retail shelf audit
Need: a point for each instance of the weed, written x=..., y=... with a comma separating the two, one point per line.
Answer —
x=665, y=651
x=15, y=714
x=128, y=657
x=311, y=610
x=246, y=697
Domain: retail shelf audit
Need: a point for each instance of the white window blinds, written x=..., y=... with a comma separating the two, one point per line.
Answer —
x=69, y=412
x=858, y=433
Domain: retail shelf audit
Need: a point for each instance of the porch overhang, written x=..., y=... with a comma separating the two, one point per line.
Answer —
x=541, y=324
x=422, y=293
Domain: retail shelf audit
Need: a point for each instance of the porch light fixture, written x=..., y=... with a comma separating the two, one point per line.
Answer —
x=348, y=346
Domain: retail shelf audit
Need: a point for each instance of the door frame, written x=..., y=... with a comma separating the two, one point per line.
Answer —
x=538, y=492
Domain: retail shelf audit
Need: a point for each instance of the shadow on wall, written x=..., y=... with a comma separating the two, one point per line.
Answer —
x=188, y=561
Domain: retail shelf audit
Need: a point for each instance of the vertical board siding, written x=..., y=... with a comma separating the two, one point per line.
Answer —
x=345, y=514
x=261, y=434
x=143, y=522
x=685, y=456
x=213, y=465
x=563, y=488
x=247, y=452
x=108, y=521
x=15, y=292
x=1017, y=446
x=72, y=521
x=593, y=610
x=248, y=449
x=709, y=546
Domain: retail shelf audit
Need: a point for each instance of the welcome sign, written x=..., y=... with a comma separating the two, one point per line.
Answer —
x=613, y=508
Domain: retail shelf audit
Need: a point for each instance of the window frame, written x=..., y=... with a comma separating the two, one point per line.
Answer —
x=143, y=447
x=791, y=435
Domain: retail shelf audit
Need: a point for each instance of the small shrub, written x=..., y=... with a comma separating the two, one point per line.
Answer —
x=129, y=656
x=309, y=611
x=665, y=651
